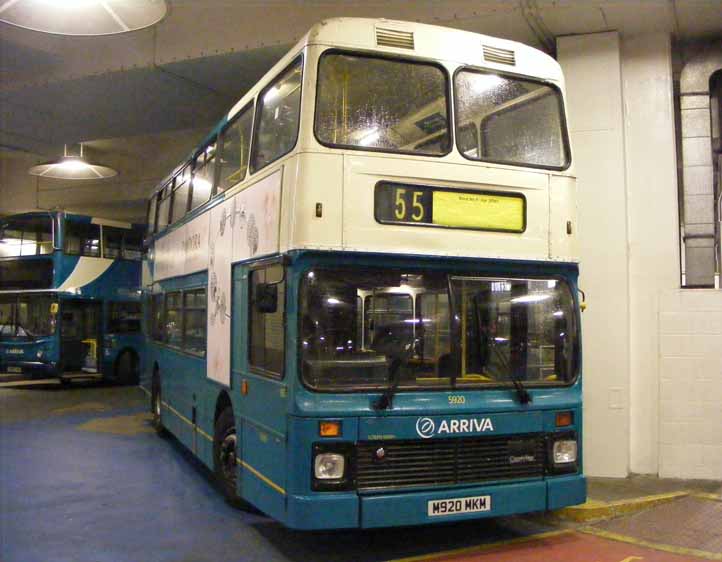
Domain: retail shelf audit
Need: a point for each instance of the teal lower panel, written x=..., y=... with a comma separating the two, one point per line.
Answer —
x=566, y=490
x=335, y=511
x=411, y=508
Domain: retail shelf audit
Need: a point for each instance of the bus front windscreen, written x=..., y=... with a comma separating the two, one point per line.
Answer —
x=26, y=316
x=373, y=103
x=365, y=329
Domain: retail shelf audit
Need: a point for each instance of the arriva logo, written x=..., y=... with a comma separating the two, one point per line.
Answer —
x=426, y=427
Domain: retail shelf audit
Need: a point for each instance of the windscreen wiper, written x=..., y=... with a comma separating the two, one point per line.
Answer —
x=521, y=392
x=385, y=401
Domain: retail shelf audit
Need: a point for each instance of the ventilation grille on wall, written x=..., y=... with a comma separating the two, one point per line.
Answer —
x=386, y=37
x=499, y=56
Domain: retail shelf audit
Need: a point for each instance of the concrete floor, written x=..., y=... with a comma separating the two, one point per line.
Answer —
x=84, y=478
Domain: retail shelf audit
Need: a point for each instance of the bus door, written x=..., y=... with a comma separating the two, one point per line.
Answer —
x=80, y=336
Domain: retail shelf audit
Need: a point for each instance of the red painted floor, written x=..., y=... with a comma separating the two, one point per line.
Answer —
x=569, y=547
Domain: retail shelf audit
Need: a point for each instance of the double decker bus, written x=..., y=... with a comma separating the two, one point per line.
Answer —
x=364, y=306
x=70, y=298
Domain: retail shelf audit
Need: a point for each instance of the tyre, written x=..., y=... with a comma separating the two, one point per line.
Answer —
x=126, y=368
x=156, y=406
x=225, y=443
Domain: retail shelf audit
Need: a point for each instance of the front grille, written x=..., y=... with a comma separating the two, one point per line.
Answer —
x=443, y=462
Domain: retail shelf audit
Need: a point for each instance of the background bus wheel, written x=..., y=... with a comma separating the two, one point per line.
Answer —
x=224, y=455
x=156, y=406
x=126, y=368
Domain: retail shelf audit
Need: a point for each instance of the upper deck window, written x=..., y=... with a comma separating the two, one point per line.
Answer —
x=278, y=117
x=164, y=207
x=203, y=175
x=121, y=243
x=26, y=236
x=82, y=239
x=374, y=103
x=510, y=120
x=235, y=148
x=152, y=214
x=181, y=192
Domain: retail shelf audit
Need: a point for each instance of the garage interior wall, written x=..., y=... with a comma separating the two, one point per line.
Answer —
x=653, y=376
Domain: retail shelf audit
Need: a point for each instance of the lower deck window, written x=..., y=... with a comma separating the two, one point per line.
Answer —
x=194, y=321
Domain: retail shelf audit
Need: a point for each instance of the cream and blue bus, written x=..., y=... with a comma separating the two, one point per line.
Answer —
x=363, y=303
x=70, y=298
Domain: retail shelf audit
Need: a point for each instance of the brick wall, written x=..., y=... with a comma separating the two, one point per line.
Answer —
x=690, y=361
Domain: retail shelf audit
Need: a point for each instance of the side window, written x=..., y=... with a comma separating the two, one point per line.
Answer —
x=267, y=315
x=82, y=239
x=151, y=214
x=124, y=318
x=180, y=194
x=157, y=317
x=164, y=207
x=122, y=243
x=203, y=176
x=194, y=321
x=132, y=245
x=278, y=117
x=112, y=241
x=173, y=319
x=236, y=146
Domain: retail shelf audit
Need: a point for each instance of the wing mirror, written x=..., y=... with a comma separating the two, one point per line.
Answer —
x=266, y=300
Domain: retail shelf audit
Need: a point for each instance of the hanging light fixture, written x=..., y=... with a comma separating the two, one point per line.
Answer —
x=82, y=17
x=72, y=168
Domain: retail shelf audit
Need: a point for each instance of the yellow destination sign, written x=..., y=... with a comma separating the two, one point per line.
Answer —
x=482, y=211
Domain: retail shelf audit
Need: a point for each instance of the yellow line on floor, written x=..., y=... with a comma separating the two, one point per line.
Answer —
x=681, y=550
x=484, y=547
x=707, y=496
x=594, y=509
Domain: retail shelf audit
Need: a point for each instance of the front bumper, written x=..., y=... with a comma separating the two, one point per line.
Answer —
x=349, y=510
x=28, y=370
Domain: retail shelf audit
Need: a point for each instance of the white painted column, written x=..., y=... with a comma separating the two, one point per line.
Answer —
x=653, y=229
x=592, y=68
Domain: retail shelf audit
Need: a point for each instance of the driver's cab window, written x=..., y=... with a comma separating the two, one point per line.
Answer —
x=267, y=319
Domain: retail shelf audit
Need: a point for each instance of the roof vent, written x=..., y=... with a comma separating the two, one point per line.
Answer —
x=499, y=56
x=386, y=37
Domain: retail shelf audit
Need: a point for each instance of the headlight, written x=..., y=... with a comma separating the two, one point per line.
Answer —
x=39, y=354
x=565, y=451
x=329, y=466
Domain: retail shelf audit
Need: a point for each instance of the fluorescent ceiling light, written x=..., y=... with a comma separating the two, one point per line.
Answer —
x=82, y=17
x=72, y=168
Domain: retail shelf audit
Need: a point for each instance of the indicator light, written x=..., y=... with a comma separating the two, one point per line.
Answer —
x=329, y=429
x=564, y=419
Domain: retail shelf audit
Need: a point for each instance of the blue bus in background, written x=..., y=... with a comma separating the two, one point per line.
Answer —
x=363, y=284
x=70, y=301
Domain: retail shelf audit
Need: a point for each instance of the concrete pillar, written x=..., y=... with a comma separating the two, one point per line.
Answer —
x=653, y=230
x=592, y=68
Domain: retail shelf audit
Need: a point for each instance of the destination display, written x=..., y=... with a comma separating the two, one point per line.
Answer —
x=417, y=205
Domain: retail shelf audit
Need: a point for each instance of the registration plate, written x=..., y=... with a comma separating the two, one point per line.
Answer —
x=15, y=369
x=452, y=506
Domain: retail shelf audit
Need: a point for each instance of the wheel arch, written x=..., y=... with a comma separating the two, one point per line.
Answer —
x=223, y=401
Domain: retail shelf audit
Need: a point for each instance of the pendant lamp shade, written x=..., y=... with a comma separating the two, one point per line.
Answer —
x=72, y=168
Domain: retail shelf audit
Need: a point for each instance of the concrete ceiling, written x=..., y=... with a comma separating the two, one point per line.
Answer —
x=150, y=95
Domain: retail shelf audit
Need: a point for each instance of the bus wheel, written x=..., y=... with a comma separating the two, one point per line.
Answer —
x=156, y=405
x=126, y=368
x=224, y=454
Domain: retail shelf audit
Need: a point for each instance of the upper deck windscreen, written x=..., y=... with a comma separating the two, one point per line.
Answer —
x=26, y=236
x=509, y=120
x=383, y=104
